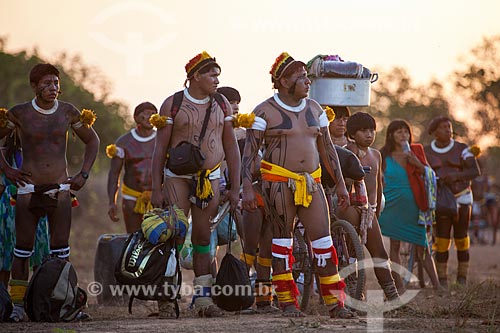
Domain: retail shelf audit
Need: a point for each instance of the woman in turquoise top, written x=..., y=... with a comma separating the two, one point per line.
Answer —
x=403, y=165
x=400, y=215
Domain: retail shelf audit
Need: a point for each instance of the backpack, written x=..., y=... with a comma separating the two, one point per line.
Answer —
x=233, y=272
x=150, y=271
x=5, y=303
x=53, y=294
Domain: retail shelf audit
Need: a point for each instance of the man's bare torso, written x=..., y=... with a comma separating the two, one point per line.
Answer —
x=447, y=163
x=290, y=137
x=187, y=127
x=44, y=140
x=137, y=162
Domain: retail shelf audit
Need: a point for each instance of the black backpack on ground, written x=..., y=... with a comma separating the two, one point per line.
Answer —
x=149, y=272
x=5, y=303
x=233, y=272
x=53, y=294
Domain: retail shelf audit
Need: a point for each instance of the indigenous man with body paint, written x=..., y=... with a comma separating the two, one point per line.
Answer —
x=198, y=193
x=43, y=181
x=133, y=152
x=294, y=131
x=455, y=164
x=13, y=154
x=362, y=212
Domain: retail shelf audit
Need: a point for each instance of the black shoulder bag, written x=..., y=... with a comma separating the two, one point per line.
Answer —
x=187, y=158
x=446, y=203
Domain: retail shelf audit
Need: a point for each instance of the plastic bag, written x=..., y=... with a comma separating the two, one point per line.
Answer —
x=186, y=254
x=223, y=231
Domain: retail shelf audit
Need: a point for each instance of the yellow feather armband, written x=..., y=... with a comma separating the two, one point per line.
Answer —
x=111, y=150
x=475, y=150
x=3, y=118
x=87, y=117
x=158, y=121
x=245, y=120
x=330, y=114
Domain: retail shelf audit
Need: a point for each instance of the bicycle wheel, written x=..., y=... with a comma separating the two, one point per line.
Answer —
x=407, y=255
x=349, y=252
x=423, y=278
x=302, y=268
x=420, y=274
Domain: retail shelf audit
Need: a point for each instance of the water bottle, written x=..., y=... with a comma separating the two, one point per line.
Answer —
x=406, y=146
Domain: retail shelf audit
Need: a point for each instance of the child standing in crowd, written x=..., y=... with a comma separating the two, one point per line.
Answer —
x=361, y=129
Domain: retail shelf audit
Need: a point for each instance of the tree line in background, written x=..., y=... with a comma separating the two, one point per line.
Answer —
x=83, y=86
x=473, y=89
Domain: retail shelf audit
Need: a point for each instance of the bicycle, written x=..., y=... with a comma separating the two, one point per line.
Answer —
x=411, y=261
x=349, y=252
x=303, y=269
x=349, y=248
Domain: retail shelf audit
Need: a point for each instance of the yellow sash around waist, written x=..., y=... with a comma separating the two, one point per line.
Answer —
x=143, y=202
x=300, y=183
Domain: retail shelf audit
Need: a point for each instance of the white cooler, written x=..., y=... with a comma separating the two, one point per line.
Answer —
x=342, y=91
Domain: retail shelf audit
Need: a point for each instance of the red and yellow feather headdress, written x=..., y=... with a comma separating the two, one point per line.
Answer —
x=198, y=62
x=281, y=64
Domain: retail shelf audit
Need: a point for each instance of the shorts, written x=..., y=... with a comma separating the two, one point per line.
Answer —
x=491, y=199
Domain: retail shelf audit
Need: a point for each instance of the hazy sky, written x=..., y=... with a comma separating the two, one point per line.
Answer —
x=142, y=46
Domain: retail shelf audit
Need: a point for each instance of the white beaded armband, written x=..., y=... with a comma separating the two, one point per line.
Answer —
x=77, y=125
